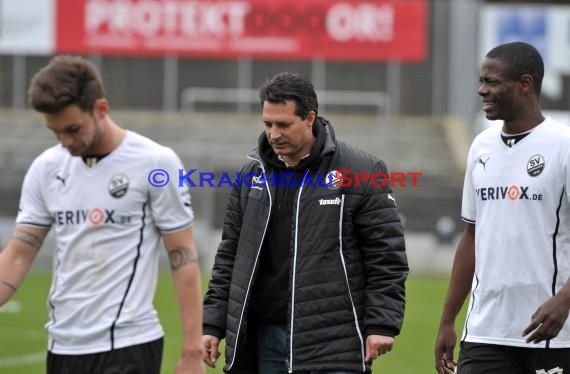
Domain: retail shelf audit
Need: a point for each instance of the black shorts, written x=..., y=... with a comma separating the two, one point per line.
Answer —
x=477, y=358
x=137, y=359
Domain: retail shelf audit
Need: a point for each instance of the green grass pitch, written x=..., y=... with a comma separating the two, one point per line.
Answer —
x=23, y=340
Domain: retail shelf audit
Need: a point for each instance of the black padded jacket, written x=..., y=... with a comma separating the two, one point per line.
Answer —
x=348, y=264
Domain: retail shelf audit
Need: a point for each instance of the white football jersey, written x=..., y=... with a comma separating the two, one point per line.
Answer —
x=108, y=221
x=518, y=199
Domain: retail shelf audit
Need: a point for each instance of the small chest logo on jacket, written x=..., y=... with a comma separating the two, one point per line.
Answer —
x=329, y=201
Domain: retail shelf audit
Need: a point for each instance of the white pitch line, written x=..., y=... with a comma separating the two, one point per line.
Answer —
x=25, y=359
x=11, y=306
x=23, y=333
x=29, y=359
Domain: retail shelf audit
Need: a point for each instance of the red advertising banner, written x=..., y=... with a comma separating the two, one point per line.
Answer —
x=351, y=30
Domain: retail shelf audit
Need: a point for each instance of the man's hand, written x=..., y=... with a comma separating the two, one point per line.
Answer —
x=548, y=319
x=210, y=352
x=444, y=346
x=377, y=345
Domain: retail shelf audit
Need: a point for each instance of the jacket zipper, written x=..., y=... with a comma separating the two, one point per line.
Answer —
x=254, y=265
x=358, y=333
x=290, y=361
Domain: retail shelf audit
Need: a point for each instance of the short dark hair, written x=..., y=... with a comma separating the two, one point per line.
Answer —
x=65, y=81
x=291, y=86
x=520, y=58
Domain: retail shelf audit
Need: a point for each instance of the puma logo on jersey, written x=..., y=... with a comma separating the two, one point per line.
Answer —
x=61, y=179
x=556, y=370
x=484, y=163
x=329, y=201
x=391, y=197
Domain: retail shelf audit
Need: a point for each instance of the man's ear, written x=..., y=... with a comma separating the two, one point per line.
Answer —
x=526, y=84
x=311, y=117
x=101, y=108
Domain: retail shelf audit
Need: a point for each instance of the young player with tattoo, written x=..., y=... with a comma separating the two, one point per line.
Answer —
x=93, y=190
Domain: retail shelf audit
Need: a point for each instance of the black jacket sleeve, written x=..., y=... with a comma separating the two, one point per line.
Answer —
x=216, y=298
x=381, y=239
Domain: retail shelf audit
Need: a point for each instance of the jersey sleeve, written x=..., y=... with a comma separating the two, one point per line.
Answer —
x=171, y=205
x=468, y=202
x=33, y=209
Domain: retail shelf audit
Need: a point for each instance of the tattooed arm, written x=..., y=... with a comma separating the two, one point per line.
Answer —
x=186, y=279
x=17, y=257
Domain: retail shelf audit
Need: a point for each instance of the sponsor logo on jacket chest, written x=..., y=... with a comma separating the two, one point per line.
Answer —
x=329, y=201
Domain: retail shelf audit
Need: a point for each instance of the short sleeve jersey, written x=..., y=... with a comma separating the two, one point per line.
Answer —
x=108, y=221
x=518, y=199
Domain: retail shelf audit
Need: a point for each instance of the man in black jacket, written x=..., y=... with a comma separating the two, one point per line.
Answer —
x=309, y=276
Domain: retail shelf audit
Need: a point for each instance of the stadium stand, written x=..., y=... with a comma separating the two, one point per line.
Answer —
x=218, y=142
